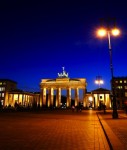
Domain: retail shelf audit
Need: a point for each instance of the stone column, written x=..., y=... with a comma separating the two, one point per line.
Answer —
x=84, y=98
x=58, y=97
x=28, y=100
x=98, y=100
x=108, y=101
x=76, y=97
x=18, y=98
x=40, y=99
x=44, y=97
x=13, y=102
x=25, y=100
x=93, y=102
x=69, y=97
x=50, y=97
x=22, y=99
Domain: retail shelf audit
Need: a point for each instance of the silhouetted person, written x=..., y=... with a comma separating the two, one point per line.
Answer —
x=73, y=108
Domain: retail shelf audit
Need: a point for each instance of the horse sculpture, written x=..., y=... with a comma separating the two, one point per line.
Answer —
x=63, y=74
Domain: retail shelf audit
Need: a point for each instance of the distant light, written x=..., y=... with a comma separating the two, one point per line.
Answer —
x=101, y=32
x=101, y=81
x=96, y=81
x=90, y=98
x=115, y=32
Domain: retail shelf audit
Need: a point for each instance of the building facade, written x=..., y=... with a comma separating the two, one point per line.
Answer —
x=51, y=86
x=10, y=95
x=120, y=87
x=48, y=86
x=22, y=98
x=50, y=94
x=6, y=85
x=101, y=97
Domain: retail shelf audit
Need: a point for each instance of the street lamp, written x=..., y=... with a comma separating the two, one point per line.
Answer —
x=114, y=32
x=99, y=81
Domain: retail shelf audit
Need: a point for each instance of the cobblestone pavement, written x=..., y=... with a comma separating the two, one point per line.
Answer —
x=54, y=130
x=116, y=129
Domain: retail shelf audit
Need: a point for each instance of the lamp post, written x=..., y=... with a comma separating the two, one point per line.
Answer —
x=115, y=32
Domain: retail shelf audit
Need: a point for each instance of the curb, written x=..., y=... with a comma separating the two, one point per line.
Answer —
x=112, y=139
x=107, y=138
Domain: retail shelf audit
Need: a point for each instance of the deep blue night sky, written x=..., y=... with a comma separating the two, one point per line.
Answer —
x=38, y=38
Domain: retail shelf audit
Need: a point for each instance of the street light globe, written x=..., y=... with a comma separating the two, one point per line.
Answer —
x=101, y=82
x=115, y=32
x=96, y=82
x=101, y=32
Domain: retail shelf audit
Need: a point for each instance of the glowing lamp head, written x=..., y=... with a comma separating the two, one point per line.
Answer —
x=96, y=82
x=115, y=32
x=101, y=32
x=101, y=81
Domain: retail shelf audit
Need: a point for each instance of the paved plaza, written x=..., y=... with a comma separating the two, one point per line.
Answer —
x=63, y=129
x=51, y=130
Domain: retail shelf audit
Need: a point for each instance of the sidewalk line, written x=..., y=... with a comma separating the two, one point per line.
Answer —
x=123, y=115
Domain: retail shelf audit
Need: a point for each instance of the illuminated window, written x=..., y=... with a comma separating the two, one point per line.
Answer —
x=125, y=81
x=120, y=81
x=116, y=81
x=2, y=94
x=2, y=88
x=0, y=83
x=125, y=87
x=119, y=87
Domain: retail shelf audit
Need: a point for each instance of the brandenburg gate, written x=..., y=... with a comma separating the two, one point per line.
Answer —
x=58, y=84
